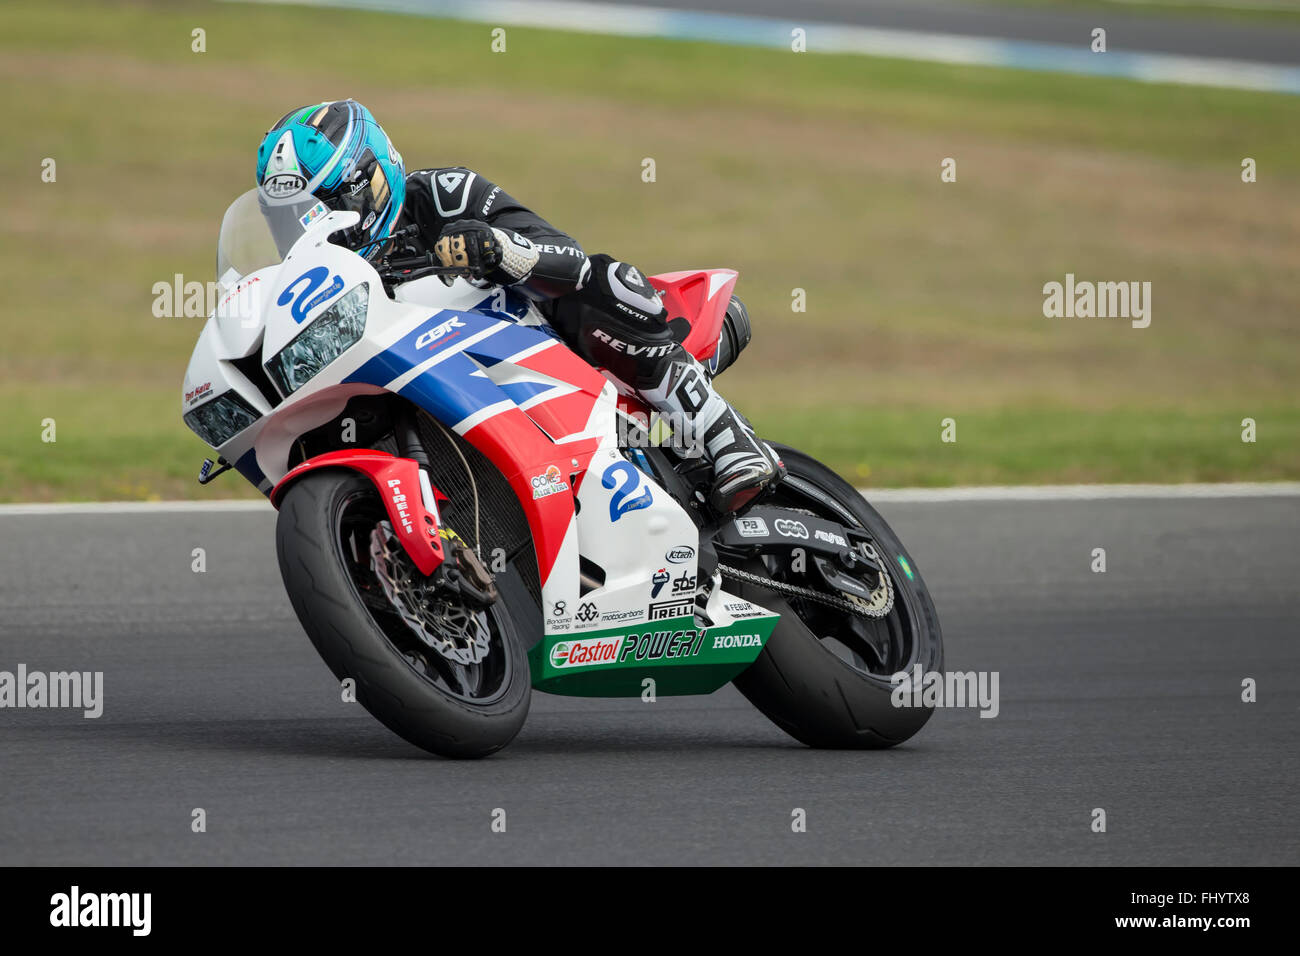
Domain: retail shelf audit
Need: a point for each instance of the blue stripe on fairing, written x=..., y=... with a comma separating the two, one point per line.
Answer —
x=520, y=392
x=511, y=340
x=248, y=467
x=453, y=390
x=456, y=387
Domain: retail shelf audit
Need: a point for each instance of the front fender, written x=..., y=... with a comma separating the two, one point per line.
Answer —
x=398, y=481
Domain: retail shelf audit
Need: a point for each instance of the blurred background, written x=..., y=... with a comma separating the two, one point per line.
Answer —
x=811, y=171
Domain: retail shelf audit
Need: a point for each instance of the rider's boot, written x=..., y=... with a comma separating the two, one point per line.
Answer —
x=743, y=466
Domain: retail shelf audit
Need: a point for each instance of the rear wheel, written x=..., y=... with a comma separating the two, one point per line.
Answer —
x=824, y=676
x=449, y=677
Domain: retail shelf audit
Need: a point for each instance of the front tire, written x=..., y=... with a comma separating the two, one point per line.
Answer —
x=443, y=707
x=821, y=684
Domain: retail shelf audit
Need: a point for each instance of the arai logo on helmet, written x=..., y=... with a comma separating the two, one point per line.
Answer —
x=680, y=555
x=282, y=185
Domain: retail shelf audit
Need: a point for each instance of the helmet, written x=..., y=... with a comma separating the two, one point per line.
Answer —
x=331, y=156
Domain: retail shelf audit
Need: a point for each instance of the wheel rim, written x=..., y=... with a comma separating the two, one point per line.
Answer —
x=357, y=518
x=874, y=647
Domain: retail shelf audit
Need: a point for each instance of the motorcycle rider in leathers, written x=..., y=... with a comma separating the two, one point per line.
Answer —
x=602, y=308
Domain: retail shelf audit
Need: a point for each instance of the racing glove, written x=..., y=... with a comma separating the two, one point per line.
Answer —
x=485, y=252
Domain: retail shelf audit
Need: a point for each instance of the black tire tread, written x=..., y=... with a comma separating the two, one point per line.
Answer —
x=352, y=645
x=801, y=686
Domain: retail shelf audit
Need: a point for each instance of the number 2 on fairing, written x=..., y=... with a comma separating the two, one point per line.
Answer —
x=619, y=504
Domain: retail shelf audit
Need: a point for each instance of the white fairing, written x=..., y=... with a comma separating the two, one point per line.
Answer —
x=257, y=318
x=643, y=540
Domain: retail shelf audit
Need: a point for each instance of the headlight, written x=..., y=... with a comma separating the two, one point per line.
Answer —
x=221, y=419
x=335, y=331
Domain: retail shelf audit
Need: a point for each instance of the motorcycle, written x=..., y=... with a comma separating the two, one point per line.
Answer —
x=469, y=511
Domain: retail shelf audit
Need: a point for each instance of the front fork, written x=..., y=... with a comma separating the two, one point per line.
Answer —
x=465, y=573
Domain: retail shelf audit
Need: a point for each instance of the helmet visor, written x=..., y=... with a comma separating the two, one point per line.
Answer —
x=366, y=193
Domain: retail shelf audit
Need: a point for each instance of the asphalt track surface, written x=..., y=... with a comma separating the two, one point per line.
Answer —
x=1261, y=41
x=1118, y=690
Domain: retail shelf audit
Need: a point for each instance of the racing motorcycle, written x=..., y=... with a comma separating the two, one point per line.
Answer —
x=469, y=511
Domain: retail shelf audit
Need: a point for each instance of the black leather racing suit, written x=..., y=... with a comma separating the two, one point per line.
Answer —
x=605, y=310
x=595, y=303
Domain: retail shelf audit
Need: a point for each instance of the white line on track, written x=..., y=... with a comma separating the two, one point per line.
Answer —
x=1272, y=489
x=133, y=507
x=1277, y=489
x=585, y=16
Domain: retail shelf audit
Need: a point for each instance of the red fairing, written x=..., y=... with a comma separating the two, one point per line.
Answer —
x=700, y=297
x=398, y=483
x=528, y=446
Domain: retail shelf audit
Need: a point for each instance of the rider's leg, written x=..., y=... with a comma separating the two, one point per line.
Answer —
x=616, y=321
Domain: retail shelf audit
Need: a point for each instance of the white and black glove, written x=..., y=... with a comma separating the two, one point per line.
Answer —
x=485, y=252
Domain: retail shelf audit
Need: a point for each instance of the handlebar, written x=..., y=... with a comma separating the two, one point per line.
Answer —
x=416, y=267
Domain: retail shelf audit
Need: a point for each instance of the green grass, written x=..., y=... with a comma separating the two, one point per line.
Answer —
x=1010, y=446
x=816, y=172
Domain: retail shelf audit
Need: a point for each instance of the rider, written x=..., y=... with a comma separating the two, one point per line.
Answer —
x=604, y=309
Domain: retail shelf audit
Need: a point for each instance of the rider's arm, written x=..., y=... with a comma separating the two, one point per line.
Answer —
x=445, y=200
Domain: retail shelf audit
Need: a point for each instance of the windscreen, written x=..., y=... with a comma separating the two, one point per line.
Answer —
x=255, y=234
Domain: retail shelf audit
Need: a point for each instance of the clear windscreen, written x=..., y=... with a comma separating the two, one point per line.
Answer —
x=255, y=235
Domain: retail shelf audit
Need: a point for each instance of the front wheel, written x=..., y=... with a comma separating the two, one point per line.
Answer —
x=448, y=678
x=824, y=676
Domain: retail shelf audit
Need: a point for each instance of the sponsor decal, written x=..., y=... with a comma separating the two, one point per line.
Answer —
x=657, y=645
x=618, y=345
x=438, y=333
x=751, y=527
x=647, y=645
x=727, y=641
x=587, y=612
x=790, y=529
x=399, y=500
x=561, y=250
x=658, y=579
x=625, y=497
x=559, y=619
x=680, y=555
x=830, y=537
x=742, y=609
x=312, y=214
x=586, y=652
x=548, y=483
x=684, y=583
x=194, y=394
x=240, y=287
x=666, y=610
x=305, y=301
x=492, y=197
x=627, y=615
x=283, y=185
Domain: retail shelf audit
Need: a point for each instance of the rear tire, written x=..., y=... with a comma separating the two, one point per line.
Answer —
x=799, y=682
x=348, y=636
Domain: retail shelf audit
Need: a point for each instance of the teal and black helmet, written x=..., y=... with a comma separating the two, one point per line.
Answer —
x=338, y=155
